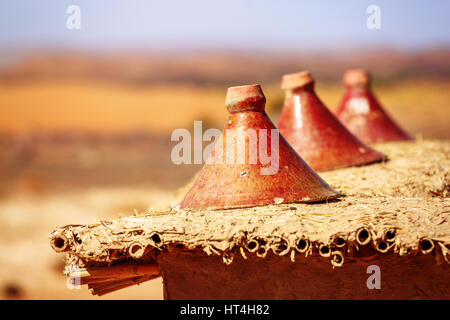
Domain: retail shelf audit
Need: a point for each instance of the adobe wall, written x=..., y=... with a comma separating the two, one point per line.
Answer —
x=195, y=275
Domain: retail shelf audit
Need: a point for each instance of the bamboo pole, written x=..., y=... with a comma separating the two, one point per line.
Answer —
x=116, y=272
x=105, y=288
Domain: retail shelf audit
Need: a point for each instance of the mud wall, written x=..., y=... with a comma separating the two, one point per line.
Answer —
x=195, y=275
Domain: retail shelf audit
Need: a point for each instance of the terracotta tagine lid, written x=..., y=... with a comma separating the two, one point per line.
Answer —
x=252, y=164
x=314, y=132
x=363, y=115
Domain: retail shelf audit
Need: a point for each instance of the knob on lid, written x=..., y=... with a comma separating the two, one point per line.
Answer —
x=238, y=175
x=357, y=78
x=295, y=80
x=245, y=98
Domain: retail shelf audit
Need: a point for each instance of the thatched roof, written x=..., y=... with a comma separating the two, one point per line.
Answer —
x=399, y=207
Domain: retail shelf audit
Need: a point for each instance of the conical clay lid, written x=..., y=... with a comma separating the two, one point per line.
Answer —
x=314, y=132
x=252, y=164
x=363, y=115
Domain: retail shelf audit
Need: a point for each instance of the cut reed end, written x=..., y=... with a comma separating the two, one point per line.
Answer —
x=324, y=251
x=426, y=245
x=363, y=236
x=337, y=258
x=59, y=243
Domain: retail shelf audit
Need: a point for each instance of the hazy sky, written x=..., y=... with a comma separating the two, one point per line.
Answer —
x=241, y=24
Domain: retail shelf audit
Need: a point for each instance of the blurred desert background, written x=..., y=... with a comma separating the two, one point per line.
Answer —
x=85, y=130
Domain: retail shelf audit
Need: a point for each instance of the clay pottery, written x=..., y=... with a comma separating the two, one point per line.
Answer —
x=314, y=132
x=252, y=164
x=363, y=115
